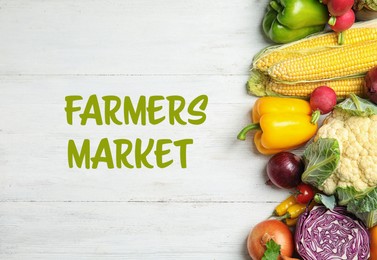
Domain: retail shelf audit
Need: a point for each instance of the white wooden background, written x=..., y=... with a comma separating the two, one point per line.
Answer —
x=50, y=49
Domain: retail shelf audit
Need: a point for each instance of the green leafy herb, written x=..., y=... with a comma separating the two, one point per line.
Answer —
x=321, y=159
x=272, y=250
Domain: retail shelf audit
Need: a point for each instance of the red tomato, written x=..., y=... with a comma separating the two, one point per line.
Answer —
x=266, y=230
x=305, y=193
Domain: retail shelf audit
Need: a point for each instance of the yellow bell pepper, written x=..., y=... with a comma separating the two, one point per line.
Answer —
x=277, y=105
x=282, y=124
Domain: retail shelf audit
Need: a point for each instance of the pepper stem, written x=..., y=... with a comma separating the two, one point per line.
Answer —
x=245, y=130
x=276, y=6
x=315, y=117
x=285, y=216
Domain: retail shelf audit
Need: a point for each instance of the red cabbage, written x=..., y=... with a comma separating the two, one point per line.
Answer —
x=331, y=234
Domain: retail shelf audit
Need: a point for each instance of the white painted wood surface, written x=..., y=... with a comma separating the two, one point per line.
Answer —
x=52, y=49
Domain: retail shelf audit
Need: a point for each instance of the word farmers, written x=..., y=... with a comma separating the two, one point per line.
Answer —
x=113, y=110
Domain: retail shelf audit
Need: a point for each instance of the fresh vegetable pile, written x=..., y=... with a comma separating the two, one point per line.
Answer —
x=331, y=209
x=342, y=159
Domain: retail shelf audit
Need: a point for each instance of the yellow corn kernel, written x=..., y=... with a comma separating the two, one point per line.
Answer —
x=342, y=87
x=347, y=60
x=312, y=44
x=351, y=36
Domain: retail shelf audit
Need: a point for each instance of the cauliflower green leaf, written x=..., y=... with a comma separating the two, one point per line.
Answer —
x=357, y=106
x=362, y=204
x=321, y=159
x=328, y=201
x=346, y=194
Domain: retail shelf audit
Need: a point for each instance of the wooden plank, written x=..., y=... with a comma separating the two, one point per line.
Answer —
x=35, y=134
x=127, y=230
x=129, y=37
x=52, y=49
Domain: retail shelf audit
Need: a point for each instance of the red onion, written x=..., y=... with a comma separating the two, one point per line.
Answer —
x=284, y=170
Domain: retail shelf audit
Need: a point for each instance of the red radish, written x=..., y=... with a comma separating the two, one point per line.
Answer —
x=370, y=85
x=343, y=22
x=339, y=7
x=323, y=99
x=324, y=2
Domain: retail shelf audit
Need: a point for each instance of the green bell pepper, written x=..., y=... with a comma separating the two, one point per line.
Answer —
x=290, y=20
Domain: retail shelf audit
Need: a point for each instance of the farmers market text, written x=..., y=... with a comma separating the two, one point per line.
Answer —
x=137, y=152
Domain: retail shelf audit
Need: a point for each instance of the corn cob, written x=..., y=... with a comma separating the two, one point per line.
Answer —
x=347, y=64
x=342, y=87
x=262, y=85
x=317, y=43
x=344, y=61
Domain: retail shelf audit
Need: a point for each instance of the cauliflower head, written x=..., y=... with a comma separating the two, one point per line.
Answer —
x=357, y=138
